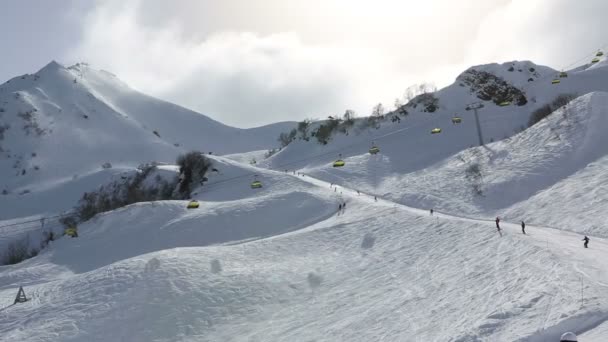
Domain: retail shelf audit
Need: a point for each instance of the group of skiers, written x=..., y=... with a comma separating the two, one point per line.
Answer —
x=523, y=230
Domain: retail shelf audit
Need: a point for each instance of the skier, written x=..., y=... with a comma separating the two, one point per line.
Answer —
x=586, y=239
x=568, y=337
x=432, y=211
x=498, y=223
x=358, y=192
x=340, y=207
x=375, y=198
x=523, y=227
x=343, y=206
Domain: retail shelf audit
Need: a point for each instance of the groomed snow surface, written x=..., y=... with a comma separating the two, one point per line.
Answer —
x=284, y=265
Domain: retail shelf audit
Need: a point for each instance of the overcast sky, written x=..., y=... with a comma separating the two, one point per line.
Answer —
x=252, y=62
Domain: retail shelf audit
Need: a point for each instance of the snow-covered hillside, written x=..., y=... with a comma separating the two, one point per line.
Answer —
x=64, y=131
x=552, y=173
x=423, y=170
x=282, y=262
x=409, y=144
x=377, y=271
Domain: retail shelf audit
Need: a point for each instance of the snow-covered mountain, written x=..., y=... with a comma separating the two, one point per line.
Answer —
x=283, y=263
x=446, y=172
x=409, y=143
x=61, y=129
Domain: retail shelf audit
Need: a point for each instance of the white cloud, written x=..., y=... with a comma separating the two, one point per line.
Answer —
x=248, y=63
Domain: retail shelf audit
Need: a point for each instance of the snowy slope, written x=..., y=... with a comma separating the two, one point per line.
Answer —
x=409, y=145
x=553, y=173
x=379, y=271
x=514, y=169
x=281, y=264
x=62, y=124
x=424, y=170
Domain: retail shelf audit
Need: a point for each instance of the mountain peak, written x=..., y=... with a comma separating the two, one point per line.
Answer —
x=52, y=66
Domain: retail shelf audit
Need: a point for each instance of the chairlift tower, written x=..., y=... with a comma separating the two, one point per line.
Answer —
x=475, y=106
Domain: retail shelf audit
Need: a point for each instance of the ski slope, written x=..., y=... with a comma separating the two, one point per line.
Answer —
x=519, y=177
x=282, y=265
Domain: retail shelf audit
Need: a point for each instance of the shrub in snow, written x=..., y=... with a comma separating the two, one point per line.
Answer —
x=286, y=138
x=270, y=153
x=17, y=251
x=192, y=169
x=544, y=111
x=325, y=130
x=348, y=119
x=427, y=101
x=303, y=128
x=106, y=165
x=135, y=188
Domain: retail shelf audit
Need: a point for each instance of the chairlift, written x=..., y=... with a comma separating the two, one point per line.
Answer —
x=256, y=184
x=374, y=149
x=193, y=204
x=339, y=162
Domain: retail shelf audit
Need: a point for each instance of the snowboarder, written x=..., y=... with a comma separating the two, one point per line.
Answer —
x=523, y=227
x=586, y=239
x=498, y=223
x=568, y=337
x=432, y=211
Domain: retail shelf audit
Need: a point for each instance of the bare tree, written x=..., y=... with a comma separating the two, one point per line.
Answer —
x=378, y=110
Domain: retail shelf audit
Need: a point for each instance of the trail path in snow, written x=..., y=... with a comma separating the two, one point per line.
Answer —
x=568, y=246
